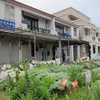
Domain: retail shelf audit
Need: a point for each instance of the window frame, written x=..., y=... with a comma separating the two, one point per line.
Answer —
x=75, y=31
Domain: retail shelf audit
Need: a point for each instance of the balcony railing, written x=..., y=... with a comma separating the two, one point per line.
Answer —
x=64, y=35
x=40, y=30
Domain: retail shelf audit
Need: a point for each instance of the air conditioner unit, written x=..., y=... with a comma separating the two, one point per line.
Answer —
x=24, y=26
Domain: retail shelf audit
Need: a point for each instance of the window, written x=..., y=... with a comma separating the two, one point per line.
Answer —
x=86, y=32
x=9, y=12
x=98, y=49
x=32, y=23
x=59, y=28
x=98, y=40
x=47, y=24
x=97, y=34
x=93, y=38
x=93, y=48
x=75, y=31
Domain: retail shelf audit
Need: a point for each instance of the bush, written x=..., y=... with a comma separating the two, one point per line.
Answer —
x=95, y=76
x=95, y=92
x=75, y=72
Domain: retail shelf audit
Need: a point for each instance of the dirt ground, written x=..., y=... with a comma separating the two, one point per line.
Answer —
x=3, y=96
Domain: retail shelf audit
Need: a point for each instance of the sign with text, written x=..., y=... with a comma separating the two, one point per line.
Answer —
x=7, y=25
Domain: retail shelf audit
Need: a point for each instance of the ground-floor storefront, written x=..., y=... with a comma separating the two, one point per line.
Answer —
x=15, y=48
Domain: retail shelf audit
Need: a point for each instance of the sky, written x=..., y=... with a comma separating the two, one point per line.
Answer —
x=89, y=7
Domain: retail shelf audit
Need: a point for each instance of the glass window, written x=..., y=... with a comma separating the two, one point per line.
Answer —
x=86, y=32
x=97, y=34
x=98, y=49
x=59, y=29
x=98, y=40
x=75, y=31
x=93, y=48
x=93, y=38
x=32, y=23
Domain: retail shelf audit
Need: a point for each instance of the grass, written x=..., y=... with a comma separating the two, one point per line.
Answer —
x=4, y=96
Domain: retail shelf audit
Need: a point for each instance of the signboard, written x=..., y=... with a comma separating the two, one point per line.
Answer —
x=88, y=77
x=7, y=25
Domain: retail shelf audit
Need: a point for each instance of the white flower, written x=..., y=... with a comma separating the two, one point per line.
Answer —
x=22, y=73
x=21, y=66
x=16, y=69
x=9, y=66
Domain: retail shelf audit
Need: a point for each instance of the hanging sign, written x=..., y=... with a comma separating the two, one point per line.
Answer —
x=7, y=25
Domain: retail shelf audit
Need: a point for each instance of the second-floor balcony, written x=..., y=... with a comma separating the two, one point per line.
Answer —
x=34, y=23
x=64, y=35
x=39, y=30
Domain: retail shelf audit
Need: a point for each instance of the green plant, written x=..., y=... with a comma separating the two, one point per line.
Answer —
x=95, y=76
x=94, y=93
x=75, y=72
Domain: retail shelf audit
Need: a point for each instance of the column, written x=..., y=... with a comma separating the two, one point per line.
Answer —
x=78, y=51
x=71, y=53
x=96, y=49
x=29, y=50
x=72, y=32
x=52, y=26
x=34, y=46
x=60, y=51
x=20, y=50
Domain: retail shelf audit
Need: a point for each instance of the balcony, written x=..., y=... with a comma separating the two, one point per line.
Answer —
x=64, y=35
x=38, y=30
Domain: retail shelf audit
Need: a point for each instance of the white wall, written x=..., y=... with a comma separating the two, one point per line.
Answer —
x=18, y=17
x=72, y=33
x=52, y=27
x=2, y=9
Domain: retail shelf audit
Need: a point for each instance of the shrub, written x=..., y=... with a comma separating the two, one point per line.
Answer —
x=75, y=72
x=95, y=92
x=95, y=76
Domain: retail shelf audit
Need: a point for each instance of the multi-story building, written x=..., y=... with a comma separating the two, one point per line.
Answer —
x=87, y=31
x=26, y=32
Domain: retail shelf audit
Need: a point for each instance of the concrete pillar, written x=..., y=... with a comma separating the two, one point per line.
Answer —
x=91, y=49
x=29, y=50
x=96, y=49
x=77, y=33
x=60, y=51
x=20, y=50
x=52, y=26
x=72, y=32
x=78, y=51
x=71, y=53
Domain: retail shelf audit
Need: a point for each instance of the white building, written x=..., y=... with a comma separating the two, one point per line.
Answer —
x=87, y=31
x=26, y=32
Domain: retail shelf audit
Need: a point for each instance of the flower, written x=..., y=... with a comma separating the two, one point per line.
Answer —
x=75, y=84
x=86, y=58
x=68, y=89
x=64, y=83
